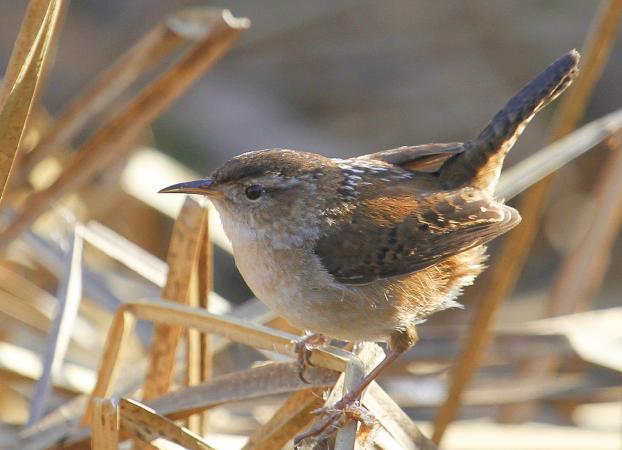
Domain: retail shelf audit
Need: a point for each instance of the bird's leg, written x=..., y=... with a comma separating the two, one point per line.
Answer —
x=332, y=414
x=303, y=349
x=399, y=343
x=324, y=429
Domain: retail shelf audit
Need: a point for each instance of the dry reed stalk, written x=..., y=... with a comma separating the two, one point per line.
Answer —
x=105, y=434
x=118, y=334
x=509, y=347
x=54, y=427
x=246, y=333
x=150, y=50
x=18, y=363
x=182, y=260
x=549, y=159
x=585, y=266
x=368, y=356
x=395, y=420
x=316, y=443
x=596, y=335
x=137, y=182
x=173, y=314
x=142, y=422
x=111, y=141
x=291, y=417
x=496, y=393
x=28, y=314
x=281, y=378
x=198, y=351
x=24, y=301
x=124, y=251
x=23, y=288
x=141, y=261
x=397, y=428
x=50, y=255
x=193, y=371
x=205, y=275
x=69, y=297
x=277, y=378
x=205, y=284
x=29, y=62
x=505, y=271
x=256, y=383
x=253, y=383
x=598, y=45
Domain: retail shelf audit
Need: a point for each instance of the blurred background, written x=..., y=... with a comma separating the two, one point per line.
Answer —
x=345, y=78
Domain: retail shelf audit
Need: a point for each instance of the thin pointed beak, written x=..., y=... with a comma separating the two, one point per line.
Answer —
x=201, y=187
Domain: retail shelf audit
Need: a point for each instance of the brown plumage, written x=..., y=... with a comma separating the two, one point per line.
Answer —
x=365, y=248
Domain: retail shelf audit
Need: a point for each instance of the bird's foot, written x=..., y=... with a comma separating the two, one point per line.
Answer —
x=332, y=417
x=303, y=349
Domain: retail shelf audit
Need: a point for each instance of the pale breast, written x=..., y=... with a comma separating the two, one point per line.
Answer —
x=280, y=270
x=294, y=285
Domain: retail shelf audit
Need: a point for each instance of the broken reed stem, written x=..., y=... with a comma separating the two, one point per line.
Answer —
x=105, y=433
x=111, y=141
x=29, y=62
x=144, y=55
x=141, y=422
x=508, y=265
x=182, y=259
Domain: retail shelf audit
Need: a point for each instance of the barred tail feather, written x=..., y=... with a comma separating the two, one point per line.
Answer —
x=480, y=164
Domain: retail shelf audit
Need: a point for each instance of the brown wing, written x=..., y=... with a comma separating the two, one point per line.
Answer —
x=420, y=158
x=389, y=236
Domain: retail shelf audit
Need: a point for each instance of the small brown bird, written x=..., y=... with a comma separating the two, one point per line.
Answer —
x=363, y=249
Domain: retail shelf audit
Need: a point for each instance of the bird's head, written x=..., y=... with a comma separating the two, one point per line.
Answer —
x=260, y=191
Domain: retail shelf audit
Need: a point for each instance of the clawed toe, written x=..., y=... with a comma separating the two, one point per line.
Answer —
x=303, y=349
x=332, y=417
x=321, y=429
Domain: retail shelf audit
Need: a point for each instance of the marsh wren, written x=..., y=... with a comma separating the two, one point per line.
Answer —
x=363, y=249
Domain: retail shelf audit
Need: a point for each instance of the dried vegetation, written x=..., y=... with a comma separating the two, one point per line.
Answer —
x=79, y=369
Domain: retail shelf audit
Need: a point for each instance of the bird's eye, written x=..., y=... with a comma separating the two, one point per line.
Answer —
x=253, y=192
